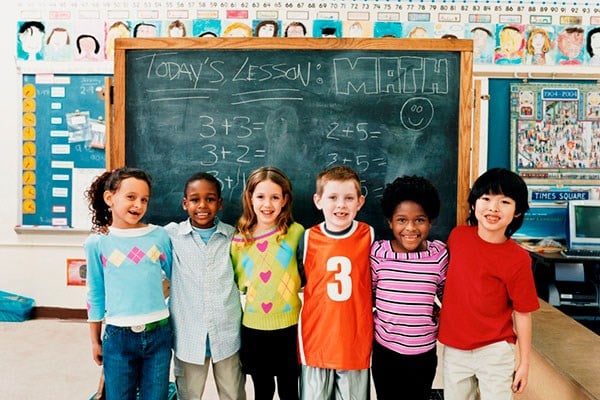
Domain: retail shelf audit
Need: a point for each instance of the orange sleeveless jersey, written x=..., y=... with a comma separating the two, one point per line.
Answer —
x=336, y=323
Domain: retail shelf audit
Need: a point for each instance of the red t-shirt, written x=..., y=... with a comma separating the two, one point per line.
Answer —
x=486, y=282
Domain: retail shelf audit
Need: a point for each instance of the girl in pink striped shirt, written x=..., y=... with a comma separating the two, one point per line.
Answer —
x=407, y=272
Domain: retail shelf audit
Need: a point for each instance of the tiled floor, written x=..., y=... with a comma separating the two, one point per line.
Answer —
x=47, y=359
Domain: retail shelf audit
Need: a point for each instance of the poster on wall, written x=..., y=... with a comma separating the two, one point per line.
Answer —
x=555, y=133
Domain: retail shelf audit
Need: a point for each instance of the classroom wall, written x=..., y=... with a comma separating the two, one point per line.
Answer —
x=33, y=265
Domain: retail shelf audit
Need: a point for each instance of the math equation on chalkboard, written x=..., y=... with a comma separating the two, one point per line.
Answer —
x=227, y=112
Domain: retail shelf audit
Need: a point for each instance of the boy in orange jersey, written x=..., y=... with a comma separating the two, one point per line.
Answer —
x=336, y=323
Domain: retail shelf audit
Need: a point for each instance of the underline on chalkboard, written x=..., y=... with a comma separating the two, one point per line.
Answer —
x=181, y=98
x=267, y=99
x=266, y=90
x=181, y=90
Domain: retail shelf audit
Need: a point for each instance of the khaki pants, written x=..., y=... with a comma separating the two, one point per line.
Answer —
x=191, y=379
x=487, y=370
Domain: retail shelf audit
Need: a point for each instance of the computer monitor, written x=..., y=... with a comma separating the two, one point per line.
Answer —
x=544, y=221
x=584, y=224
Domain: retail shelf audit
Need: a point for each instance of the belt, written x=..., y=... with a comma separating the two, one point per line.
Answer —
x=149, y=327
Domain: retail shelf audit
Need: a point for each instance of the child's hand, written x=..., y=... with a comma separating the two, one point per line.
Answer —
x=166, y=286
x=97, y=353
x=519, y=381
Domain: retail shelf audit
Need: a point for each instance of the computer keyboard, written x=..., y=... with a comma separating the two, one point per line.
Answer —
x=581, y=253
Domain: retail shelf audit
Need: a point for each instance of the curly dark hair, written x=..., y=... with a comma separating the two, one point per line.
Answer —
x=111, y=181
x=411, y=188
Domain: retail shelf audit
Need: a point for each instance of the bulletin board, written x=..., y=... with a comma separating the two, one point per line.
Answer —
x=63, y=146
x=555, y=133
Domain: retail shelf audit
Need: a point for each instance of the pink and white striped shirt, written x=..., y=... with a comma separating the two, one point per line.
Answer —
x=404, y=289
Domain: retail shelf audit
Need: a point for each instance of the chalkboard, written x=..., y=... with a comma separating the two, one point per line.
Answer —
x=385, y=107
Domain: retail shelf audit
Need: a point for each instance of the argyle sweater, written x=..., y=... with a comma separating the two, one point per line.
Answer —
x=124, y=275
x=267, y=272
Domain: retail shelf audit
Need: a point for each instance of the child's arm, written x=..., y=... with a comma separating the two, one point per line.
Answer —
x=95, y=331
x=523, y=328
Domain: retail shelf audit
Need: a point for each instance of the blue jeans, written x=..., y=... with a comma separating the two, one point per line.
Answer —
x=137, y=361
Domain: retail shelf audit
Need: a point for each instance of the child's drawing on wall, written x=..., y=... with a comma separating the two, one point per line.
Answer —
x=237, y=29
x=483, y=43
x=418, y=32
x=58, y=44
x=116, y=30
x=30, y=39
x=143, y=29
x=593, y=45
x=449, y=31
x=357, y=29
x=177, y=29
x=295, y=29
x=206, y=27
x=266, y=28
x=539, y=44
x=327, y=28
x=510, y=44
x=387, y=29
x=88, y=48
x=570, y=46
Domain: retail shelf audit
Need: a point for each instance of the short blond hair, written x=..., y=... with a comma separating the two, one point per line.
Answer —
x=340, y=173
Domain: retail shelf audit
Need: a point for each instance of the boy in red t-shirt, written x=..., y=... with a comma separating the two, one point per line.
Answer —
x=489, y=283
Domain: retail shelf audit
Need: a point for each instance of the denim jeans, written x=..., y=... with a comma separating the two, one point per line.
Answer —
x=137, y=362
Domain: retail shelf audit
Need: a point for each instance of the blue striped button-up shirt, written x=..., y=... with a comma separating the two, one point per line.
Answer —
x=204, y=297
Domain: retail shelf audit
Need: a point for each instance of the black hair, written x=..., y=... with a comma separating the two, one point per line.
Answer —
x=328, y=31
x=411, y=188
x=505, y=182
x=202, y=176
x=32, y=24
x=111, y=181
x=135, y=29
x=96, y=50
x=588, y=45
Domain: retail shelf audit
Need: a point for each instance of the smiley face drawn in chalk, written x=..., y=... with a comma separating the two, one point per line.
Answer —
x=416, y=114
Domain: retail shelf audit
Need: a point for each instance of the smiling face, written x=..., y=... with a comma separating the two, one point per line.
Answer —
x=410, y=226
x=494, y=212
x=340, y=201
x=416, y=114
x=128, y=203
x=570, y=43
x=202, y=202
x=267, y=202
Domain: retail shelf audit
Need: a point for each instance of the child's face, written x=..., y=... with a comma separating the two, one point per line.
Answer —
x=202, y=202
x=340, y=202
x=267, y=202
x=494, y=212
x=128, y=203
x=410, y=226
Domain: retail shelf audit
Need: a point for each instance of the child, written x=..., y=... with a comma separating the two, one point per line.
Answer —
x=205, y=302
x=337, y=321
x=125, y=270
x=490, y=283
x=407, y=273
x=264, y=252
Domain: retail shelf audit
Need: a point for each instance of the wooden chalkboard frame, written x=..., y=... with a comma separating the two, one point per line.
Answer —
x=116, y=139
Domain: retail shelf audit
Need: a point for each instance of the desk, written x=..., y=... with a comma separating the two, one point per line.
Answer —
x=575, y=296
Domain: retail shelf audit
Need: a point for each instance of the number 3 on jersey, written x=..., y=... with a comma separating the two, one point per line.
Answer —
x=341, y=289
